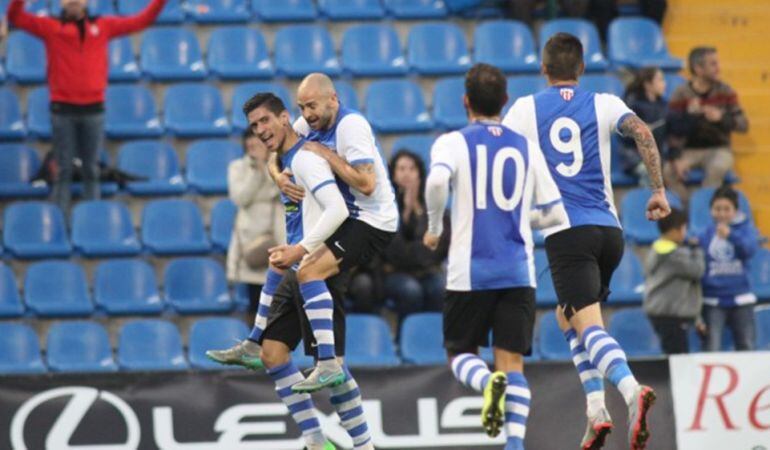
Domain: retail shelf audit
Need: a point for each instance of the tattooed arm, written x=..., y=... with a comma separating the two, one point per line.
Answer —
x=358, y=176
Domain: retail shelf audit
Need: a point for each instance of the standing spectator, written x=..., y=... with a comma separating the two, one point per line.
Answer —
x=259, y=223
x=729, y=244
x=645, y=98
x=76, y=52
x=672, y=287
x=414, y=277
x=702, y=114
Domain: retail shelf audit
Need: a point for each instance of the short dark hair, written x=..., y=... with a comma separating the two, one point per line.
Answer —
x=697, y=55
x=673, y=221
x=272, y=102
x=486, y=88
x=727, y=193
x=563, y=56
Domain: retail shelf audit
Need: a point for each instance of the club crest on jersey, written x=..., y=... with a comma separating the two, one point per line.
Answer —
x=495, y=131
x=567, y=93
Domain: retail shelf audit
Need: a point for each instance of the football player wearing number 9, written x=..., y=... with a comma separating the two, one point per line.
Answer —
x=574, y=128
x=501, y=185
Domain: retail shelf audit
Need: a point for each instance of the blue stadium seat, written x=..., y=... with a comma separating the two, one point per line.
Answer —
x=39, y=113
x=35, y=230
x=760, y=274
x=351, y=9
x=346, y=94
x=397, y=106
x=295, y=58
x=2, y=69
x=602, y=83
x=207, y=162
x=171, y=13
x=762, y=318
x=11, y=120
x=150, y=344
x=284, y=11
x=552, y=343
x=695, y=341
x=123, y=63
x=700, y=209
x=448, y=109
x=131, y=113
x=155, y=161
x=213, y=332
x=126, y=287
x=95, y=8
x=18, y=165
x=10, y=300
x=583, y=30
x=422, y=339
x=506, y=44
x=633, y=209
x=437, y=49
x=372, y=50
x=172, y=53
x=522, y=86
x=633, y=331
x=222, y=220
x=79, y=346
x=218, y=11
x=103, y=228
x=173, y=227
x=57, y=288
x=627, y=284
x=249, y=59
x=673, y=81
x=245, y=91
x=638, y=42
x=19, y=349
x=195, y=110
x=25, y=58
x=618, y=173
x=419, y=144
x=368, y=342
x=196, y=286
x=416, y=9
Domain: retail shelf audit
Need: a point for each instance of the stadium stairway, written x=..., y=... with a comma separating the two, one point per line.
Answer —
x=738, y=29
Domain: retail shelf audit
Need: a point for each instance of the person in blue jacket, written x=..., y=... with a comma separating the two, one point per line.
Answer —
x=729, y=243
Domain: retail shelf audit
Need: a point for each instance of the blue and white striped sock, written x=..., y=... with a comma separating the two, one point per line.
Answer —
x=517, y=398
x=471, y=371
x=346, y=399
x=300, y=405
x=607, y=356
x=590, y=377
x=319, y=308
x=272, y=281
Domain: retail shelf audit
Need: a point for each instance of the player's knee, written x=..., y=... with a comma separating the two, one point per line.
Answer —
x=307, y=273
x=274, y=355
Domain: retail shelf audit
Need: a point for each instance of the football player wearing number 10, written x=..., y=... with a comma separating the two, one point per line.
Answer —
x=574, y=128
x=501, y=187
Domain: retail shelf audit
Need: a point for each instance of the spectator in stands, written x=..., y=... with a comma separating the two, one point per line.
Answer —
x=729, y=244
x=702, y=114
x=645, y=98
x=259, y=222
x=76, y=52
x=672, y=290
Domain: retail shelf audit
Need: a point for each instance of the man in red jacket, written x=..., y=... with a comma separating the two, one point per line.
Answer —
x=76, y=48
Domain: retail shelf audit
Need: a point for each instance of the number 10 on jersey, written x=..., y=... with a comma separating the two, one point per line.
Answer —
x=499, y=177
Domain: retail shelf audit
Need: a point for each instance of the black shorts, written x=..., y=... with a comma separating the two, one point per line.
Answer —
x=508, y=313
x=288, y=322
x=582, y=261
x=355, y=242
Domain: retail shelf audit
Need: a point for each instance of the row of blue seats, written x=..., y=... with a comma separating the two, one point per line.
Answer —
x=193, y=110
x=149, y=344
x=173, y=53
x=218, y=11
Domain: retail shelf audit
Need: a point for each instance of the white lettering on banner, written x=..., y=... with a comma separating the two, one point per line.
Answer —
x=721, y=400
x=236, y=432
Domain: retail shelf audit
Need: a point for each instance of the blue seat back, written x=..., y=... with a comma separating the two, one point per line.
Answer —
x=171, y=13
x=211, y=333
x=150, y=345
x=33, y=223
x=288, y=10
x=627, y=284
x=251, y=48
x=102, y=221
x=760, y=274
x=368, y=341
x=437, y=48
x=583, y=30
x=19, y=349
x=602, y=83
x=131, y=104
x=762, y=318
x=634, y=219
x=123, y=64
x=222, y=221
x=218, y=11
x=10, y=300
x=389, y=99
x=207, y=162
x=372, y=49
x=291, y=48
x=174, y=47
x=422, y=339
x=56, y=283
x=154, y=160
x=351, y=9
x=79, y=346
x=700, y=209
x=11, y=119
x=633, y=331
x=245, y=91
x=18, y=164
x=638, y=38
x=507, y=44
x=448, y=109
x=39, y=113
x=191, y=103
x=419, y=144
x=195, y=279
x=126, y=282
x=416, y=9
x=25, y=58
x=673, y=81
x=173, y=219
x=553, y=345
x=347, y=95
x=522, y=86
